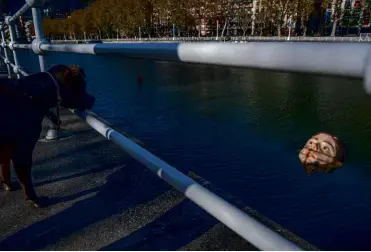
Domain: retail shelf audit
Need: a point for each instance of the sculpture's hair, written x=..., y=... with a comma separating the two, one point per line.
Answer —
x=341, y=150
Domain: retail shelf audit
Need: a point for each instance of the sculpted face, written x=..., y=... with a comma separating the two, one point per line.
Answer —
x=322, y=152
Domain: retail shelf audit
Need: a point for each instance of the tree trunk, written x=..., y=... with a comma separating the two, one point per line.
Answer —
x=334, y=17
x=262, y=26
x=253, y=17
x=225, y=26
x=360, y=20
x=148, y=30
x=303, y=27
x=279, y=30
x=334, y=28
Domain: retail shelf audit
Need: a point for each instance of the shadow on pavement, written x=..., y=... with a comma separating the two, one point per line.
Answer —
x=123, y=189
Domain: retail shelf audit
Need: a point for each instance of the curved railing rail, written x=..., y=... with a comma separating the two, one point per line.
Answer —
x=347, y=60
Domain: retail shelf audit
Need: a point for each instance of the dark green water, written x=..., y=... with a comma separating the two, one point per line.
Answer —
x=241, y=130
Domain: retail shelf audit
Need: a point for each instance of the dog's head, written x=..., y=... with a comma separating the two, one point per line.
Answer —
x=323, y=152
x=72, y=87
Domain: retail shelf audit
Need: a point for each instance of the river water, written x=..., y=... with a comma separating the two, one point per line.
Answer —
x=241, y=130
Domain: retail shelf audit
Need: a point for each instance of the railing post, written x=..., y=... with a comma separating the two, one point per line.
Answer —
x=11, y=44
x=53, y=131
x=6, y=61
x=39, y=35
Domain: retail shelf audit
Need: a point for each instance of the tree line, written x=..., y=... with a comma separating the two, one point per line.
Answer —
x=159, y=18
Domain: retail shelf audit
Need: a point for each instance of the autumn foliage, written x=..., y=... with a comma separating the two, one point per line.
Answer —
x=156, y=18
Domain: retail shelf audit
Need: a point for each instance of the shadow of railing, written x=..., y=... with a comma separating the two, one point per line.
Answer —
x=122, y=190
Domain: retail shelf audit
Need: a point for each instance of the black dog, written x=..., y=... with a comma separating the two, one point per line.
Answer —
x=23, y=105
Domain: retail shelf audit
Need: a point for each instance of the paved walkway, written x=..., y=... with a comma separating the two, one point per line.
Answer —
x=101, y=199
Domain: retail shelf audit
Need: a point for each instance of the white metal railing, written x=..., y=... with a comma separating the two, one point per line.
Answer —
x=342, y=59
x=348, y=59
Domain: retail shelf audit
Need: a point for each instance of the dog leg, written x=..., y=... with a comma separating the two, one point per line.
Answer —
x=24, y=176
x=22, y=164
x=5, y=175
x=5, y=156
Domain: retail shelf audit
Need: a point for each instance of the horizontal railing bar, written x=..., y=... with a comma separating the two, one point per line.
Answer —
x=23, y=72
x=22, y=10
x=23, y=46
x=344, y=59
x=84, y=49
x=247, y=227
x=310, y=57
x=157, y=51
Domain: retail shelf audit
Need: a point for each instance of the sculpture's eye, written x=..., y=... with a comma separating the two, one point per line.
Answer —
x=328, y=150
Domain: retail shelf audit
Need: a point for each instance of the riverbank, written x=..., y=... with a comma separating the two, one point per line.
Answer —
x=360, y=39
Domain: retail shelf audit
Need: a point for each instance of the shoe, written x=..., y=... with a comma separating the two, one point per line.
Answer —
x=7, y=187
x=35, y=201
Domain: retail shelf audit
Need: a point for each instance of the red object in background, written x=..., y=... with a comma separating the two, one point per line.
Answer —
x=366, y=22
x=366, y=17
x=22, y=25
x=140, y=79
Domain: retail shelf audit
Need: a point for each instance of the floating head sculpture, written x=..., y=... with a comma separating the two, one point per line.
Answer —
x=323, y=152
